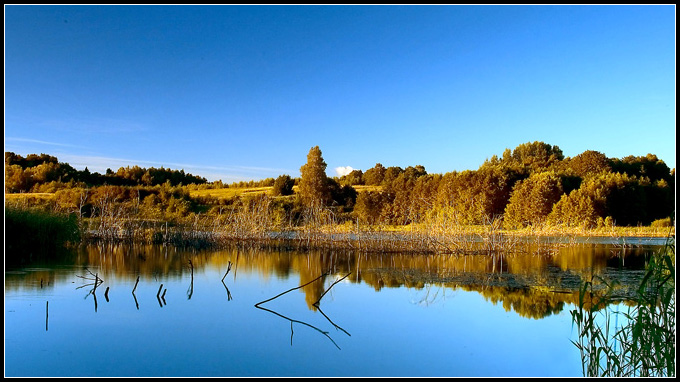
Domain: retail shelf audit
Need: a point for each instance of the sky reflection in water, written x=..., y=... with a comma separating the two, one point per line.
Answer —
x=394, y=315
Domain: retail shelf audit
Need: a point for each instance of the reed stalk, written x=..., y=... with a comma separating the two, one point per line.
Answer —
x=644, y=345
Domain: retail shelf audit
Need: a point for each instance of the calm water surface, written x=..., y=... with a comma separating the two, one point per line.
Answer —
x=392, y=315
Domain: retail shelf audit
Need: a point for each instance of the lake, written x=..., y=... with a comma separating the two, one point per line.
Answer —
x=400, y=315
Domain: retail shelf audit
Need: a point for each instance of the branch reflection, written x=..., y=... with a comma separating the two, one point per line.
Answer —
x=316, y=304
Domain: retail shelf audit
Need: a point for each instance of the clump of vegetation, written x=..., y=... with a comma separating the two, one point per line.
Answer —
x=283, y=185
x=31, y=234
x=662, y=223
x=644, y=345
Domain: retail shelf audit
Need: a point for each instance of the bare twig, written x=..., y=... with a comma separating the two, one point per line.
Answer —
x=329, y=288
x=299, y=322
x=332, y=323
x=228, y=293
x=228, y=269
x=290, y=290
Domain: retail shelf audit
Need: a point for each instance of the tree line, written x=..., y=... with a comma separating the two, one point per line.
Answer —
x=44, y=173
x=533, y=184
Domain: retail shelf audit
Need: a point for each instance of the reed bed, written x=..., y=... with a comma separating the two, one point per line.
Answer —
x=644, y=344
x=256, y=222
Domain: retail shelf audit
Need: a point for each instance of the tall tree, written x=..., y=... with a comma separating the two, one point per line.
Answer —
x=313, y=186
x=375, y=175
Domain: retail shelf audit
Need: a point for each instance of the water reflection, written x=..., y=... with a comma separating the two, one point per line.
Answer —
x=534, y=286
x=316, y=304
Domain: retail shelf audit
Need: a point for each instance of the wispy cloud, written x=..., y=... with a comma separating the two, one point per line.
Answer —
x=212, y=173
x=28, y=140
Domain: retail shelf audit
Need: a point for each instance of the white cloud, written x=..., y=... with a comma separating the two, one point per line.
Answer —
x=342, y=171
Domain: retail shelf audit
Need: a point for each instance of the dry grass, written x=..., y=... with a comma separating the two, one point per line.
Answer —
x=367, y=188
x=229, y=193
x=29, y=195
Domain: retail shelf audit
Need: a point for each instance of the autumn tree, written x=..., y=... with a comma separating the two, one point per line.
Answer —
x=375, y=175
x=617, y=196
x=589, y=162
x=313, y=188
x=352, y=179
x=532, y=200
x=391, y=174
x=369, y=206
x=649, y=166
x=532, y=157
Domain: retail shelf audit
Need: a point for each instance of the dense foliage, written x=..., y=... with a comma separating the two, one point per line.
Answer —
x=44, y=173
x=533, y=185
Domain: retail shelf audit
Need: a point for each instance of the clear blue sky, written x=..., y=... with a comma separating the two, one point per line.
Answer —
x=243, y=92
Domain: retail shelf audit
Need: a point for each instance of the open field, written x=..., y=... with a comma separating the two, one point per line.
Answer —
x=29, y=196
x=367, y=188
x=613, y=232
x=228, y=193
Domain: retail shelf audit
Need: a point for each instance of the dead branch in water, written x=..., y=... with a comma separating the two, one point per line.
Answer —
x=329, y=288
x=316, y=304
x=299, y=322
x=97, y=280
x=228, y=269
x=290, y=290
x=332, y=323
x=228, y=293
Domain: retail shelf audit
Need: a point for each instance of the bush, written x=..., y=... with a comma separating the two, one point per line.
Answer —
x=283, y=185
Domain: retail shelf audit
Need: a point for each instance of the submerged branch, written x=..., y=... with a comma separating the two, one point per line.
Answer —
x=290, y=290
x=329, y=288
x=299, y=322
x=332, y=323
x=228, y=269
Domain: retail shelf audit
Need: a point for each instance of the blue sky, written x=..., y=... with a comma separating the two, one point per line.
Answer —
x=243, y=92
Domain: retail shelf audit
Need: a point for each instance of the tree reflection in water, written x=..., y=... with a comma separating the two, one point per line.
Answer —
x=534, y=285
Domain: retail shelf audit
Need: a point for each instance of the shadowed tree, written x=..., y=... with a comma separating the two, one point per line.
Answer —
x=283, y=185
x=375, y=175
x=313, y=188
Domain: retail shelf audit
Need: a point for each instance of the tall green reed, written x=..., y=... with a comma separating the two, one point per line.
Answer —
x=644, y=344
